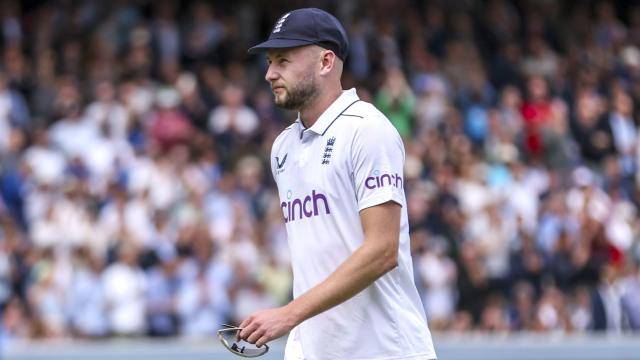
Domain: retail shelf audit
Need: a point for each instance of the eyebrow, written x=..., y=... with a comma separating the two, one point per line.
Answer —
x=275, y=56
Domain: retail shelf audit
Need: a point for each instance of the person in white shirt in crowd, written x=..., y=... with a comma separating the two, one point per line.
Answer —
x=218, y=209
x=46, y=296
x=163, y=285
x=522, y=195
x=45, y=230
x=73, y=133
x=233, y=117
x=136, y=217
x=46, y=163
x=492, y=234
x=124, y=285
x=202, y=301
x=339, y=172
x=71, y=219
x=439, y=274
x=108, y=110
x=86, y=299
x=586, y=196
x=470, y=188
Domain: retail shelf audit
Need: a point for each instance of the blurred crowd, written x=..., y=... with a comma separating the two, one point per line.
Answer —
x=137, y=198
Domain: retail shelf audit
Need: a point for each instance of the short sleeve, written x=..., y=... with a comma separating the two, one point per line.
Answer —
x=378, y=162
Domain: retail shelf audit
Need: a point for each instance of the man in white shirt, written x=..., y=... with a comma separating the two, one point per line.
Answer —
x=339, y=174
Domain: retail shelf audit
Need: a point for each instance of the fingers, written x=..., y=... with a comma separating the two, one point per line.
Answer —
x=261, y=327
x=246, y=322
x=263, y=340
x=248, y=327
x=252, y=333
x=258, y=334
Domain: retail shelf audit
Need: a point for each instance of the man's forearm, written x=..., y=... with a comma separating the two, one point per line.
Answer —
x=375, y=257
x=357, y=272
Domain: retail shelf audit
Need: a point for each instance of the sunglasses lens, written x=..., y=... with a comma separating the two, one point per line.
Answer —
x=240, y=347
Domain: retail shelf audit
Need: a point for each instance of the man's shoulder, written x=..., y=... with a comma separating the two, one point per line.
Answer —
x=362, y=109
x=286, y=132
x=363, y=114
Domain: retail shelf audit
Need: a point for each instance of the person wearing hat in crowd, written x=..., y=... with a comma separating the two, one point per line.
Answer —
x=339, y=173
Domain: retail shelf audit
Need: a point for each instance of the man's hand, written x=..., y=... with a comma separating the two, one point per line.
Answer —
x=266, y=325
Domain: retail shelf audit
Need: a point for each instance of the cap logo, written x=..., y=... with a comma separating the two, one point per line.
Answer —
x=278, y=27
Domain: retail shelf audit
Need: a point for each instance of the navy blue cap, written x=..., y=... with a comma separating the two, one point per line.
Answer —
x=309, y=26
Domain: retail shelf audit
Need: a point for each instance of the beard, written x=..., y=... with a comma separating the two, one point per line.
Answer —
x=300, y=94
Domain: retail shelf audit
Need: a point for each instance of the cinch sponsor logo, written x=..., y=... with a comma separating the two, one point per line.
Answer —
x=309, y=206
x=378, y=180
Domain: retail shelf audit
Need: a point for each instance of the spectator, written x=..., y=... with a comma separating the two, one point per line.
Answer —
x=522, y=312
x=438, y=272
x=163, y=284
x=581, y=317
x=192, y=103
x=606, y=302
x=536, y=111
x=591, y=133
x=203, y=297
x=125, y=286
x=86, y=298
x=396, y=100
x=45, y=162
x=167, y=125
x=46, y=296
x=559, y=146
x=108, y=112
x=233, y=122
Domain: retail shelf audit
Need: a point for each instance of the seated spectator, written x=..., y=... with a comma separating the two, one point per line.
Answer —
x=233, y=121
x=125, y=287
x=590, y=130
x=164, y=283
x=168, y=125
x=86, y=299
x=396, y=100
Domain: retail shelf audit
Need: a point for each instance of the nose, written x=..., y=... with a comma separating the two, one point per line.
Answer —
x=271, y=74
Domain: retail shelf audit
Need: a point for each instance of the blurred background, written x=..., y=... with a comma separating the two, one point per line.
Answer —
x=137, y=200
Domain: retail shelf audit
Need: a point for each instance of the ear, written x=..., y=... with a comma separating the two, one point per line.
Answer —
x=327, y=61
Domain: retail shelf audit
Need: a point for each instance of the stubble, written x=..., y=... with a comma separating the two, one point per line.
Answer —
x=301, y=94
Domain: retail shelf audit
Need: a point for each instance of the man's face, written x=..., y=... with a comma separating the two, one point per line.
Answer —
x=292, y=75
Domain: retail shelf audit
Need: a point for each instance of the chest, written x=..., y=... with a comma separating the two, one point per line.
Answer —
x=321, y=164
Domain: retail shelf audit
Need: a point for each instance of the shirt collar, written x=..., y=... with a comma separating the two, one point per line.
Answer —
x=334, y=110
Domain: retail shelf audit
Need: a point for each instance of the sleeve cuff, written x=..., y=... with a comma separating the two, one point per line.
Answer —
x=380, y=198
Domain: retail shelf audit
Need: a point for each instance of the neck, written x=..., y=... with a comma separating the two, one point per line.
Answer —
x=310, y=114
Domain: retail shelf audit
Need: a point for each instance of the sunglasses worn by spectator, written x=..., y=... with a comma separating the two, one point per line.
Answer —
x=228, y=338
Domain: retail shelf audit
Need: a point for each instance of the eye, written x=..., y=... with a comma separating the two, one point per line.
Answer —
x=283, y=61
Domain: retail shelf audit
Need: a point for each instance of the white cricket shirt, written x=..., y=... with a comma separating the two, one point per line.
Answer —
x=350, y=159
